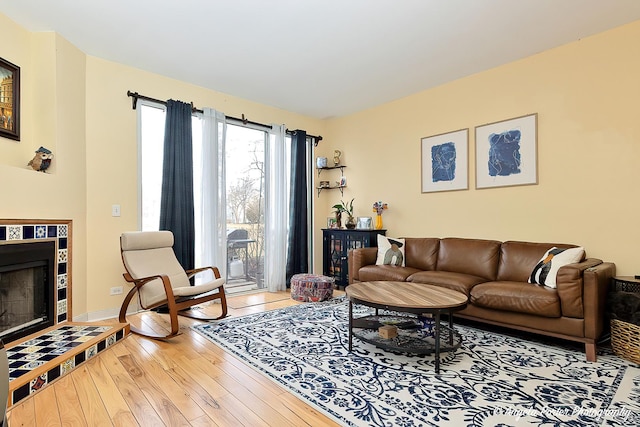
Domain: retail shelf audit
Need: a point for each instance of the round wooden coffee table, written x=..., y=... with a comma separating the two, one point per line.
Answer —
x=406, y=297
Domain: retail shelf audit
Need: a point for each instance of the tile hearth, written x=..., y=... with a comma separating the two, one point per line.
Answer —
x=38, y=360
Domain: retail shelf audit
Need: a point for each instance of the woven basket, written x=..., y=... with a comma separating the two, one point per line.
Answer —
x=625, y=340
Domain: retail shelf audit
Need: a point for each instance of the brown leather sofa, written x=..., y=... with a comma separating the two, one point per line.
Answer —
x=494, y=276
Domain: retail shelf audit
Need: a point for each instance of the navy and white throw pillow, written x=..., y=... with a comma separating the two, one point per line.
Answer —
x=546, y=270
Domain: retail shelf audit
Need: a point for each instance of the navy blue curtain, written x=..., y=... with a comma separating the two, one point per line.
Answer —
x=297, y=253
x=176, y=205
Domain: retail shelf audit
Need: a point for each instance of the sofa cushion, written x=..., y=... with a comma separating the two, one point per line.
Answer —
x=517, y=259
x=390, y=251
x=517, y=296
x=469, y=256
x=546, y=270
x=392, y=273
x=456, y=281
x=421, y=253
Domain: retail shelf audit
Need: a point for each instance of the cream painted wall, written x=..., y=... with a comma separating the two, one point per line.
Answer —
x=35, y=54
x=52, y=115
x=112, y=158
x=77, y=106
x=586, y=96
x=18, y=52
x=71, y=161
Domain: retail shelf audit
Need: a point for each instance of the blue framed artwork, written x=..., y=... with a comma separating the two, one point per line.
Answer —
x=506, y=153
x=445, y=163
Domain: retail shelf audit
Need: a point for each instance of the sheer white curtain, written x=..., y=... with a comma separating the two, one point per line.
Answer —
x=211, y=218
x=276, y=211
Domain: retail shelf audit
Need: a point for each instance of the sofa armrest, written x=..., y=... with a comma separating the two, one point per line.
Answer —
x=597, y=282
x=358, y=258
x=582, y=288
x=570, y=287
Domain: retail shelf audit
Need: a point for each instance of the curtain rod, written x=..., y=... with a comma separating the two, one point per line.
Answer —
x=243, y=120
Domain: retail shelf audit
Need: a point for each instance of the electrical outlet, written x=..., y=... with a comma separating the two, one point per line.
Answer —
x=116, y=290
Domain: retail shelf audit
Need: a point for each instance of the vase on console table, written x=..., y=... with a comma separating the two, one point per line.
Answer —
x=378, y=208
x=378, y=225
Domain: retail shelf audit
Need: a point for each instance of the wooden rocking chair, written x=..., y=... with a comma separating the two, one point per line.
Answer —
x=160, y=281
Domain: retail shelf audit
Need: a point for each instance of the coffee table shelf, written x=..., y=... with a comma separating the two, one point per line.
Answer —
x=410, y=298
x=416, y=339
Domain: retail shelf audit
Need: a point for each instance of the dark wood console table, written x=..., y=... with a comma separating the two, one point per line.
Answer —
x=336, y=244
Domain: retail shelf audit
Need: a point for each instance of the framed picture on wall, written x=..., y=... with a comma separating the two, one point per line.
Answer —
x=9, y=100
x=445, y=164
x=506, y=152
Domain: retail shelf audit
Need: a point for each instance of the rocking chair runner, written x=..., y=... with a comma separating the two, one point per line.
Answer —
x=159, y=280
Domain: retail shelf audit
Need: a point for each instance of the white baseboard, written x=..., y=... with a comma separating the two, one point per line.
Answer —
x=96, y=316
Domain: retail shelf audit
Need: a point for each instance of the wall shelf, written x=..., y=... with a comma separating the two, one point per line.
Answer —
x=331, y=187
x=337, y=187
x=341, y=167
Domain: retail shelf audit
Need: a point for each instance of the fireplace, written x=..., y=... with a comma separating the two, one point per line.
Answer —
x=34, y=252
x=35, y=276
x=27, y=286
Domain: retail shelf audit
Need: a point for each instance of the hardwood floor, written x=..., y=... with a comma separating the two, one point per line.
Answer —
x=185, y=381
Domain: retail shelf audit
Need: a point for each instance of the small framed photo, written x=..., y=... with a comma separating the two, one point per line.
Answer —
x=364, y=223
x=342, y=182
x=9, y=100
x=332, y=222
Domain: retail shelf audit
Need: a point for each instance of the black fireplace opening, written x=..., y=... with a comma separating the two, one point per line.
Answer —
x=27, y=286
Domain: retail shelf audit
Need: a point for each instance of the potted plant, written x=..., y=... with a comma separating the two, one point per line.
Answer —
x=348, y=209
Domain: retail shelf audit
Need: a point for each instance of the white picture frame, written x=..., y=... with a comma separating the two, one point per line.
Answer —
x=364, y=223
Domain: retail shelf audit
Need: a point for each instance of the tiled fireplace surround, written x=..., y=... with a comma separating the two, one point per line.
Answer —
x=60, y=233
x=37, y=360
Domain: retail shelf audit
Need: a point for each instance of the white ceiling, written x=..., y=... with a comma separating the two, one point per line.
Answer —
x=321, y=58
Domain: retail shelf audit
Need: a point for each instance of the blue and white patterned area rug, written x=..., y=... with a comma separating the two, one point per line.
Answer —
x=492, y=379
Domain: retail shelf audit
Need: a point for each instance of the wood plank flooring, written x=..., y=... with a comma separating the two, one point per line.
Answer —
x=185, y=381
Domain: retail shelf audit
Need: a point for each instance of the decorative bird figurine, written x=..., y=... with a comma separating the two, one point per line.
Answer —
x=42, y=160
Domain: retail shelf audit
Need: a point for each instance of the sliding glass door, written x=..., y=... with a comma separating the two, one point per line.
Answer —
x=243, y=205
x=245, y=212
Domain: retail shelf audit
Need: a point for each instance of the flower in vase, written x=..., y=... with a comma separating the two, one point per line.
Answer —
x=379, y=207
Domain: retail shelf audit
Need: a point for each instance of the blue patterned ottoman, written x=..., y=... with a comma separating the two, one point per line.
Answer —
x=311, y=287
